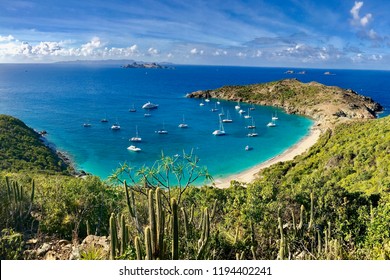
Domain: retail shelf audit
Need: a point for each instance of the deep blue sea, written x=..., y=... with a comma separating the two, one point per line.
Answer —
x=59, y=98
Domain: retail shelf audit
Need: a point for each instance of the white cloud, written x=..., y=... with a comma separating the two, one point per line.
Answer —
x=88, y=48
x=153, y=51
x=356, y=19
x=195, y=51
x=6, y=38
x=355, y=10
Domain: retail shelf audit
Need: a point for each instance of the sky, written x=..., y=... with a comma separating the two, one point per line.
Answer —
x=276, y=33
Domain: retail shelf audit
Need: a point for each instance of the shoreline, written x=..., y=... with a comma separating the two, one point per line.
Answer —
x=249, y=175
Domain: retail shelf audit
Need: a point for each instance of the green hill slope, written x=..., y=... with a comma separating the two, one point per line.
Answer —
x=22, y=149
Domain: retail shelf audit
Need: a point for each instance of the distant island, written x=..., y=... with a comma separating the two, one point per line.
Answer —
x=152, y=65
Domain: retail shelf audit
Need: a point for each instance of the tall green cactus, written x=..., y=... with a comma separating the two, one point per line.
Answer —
x=160, y=224
x=124, y=237
x=113, y=236
x=137, y=245
x=175, y=230
x=185, y=223
x=148, y=244
x=203, y=241
x=311, y=222
x=152, y=222
x=282, y=244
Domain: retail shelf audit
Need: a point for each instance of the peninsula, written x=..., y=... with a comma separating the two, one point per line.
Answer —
x=326, y=105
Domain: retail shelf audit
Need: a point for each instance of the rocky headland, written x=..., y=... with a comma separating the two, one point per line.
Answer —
x=327, y=105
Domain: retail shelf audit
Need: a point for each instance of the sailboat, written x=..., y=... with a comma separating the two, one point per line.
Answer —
x=136, y=138
x=252, y=107
x=228, y=119
x=275, y=117
x=201, y=104
x=247, y=116
x=252, y=126
x=253, y=133
x=132, y=109
x=221, y=130
x=163, y=130
x=116, y=126
x=215, y=109
x=237, y=107
x=183, y=124
x=104, y=120
x=218, y=102
x=222, y=113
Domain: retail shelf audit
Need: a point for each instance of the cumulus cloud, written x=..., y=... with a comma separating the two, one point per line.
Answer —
x=153, y=51
x=195, y=51
x=356, y=19
x=13, y=50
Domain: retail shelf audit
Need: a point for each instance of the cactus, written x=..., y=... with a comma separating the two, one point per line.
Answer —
x=88, y=227
x=138, y=248
x=160, y=224
x=148, y=243
x=152, y=222
x=191, y=214
x=113, y=234
x=8, y=188
x=319, y=243
x=202, y=242
x=253, y=250
x=212, y=215
x=311, y=222
x=300, y=225
x=175, y=231
x=124, y=237
x=185, y=223
x=282, y=241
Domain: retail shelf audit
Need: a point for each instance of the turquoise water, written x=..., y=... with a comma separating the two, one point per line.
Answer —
x=60, y=98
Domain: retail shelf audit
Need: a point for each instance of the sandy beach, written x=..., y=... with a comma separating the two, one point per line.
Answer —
x=249, y=175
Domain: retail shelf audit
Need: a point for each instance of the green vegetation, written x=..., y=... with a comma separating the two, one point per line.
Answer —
x=332, y=202
x=21, y=149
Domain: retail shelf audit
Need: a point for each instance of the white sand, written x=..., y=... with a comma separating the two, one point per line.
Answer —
x=289, y=154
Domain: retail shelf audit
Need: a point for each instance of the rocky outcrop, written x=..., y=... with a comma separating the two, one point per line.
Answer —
x=49, y=248
x=327, y=105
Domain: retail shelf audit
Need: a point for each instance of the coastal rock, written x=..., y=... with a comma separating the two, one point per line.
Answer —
x=325, y=104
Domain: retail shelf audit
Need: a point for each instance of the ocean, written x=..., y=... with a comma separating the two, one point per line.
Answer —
x=60, y=98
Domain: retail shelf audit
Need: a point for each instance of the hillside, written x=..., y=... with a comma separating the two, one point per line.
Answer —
x=21, y=149
x=327, y=105
x=355, y=156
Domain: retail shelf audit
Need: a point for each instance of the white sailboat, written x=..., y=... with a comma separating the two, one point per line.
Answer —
x=253, y=133
x=215, y=109
x=228, y=119
x=247, y=116
x=237, y=107
x=221, y=130
x=136, y=138
x=116, y=126
x=183, y=124
x=275, y=117
x=163, y=130
x=222, y=113
x=201, y=104
x=252, y=126
x=132, y=109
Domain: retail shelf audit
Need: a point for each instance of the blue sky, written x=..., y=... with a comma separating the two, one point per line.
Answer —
x=290, y=33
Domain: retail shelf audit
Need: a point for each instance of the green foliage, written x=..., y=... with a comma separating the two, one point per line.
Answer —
x=21, y=149
x=11, y=245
